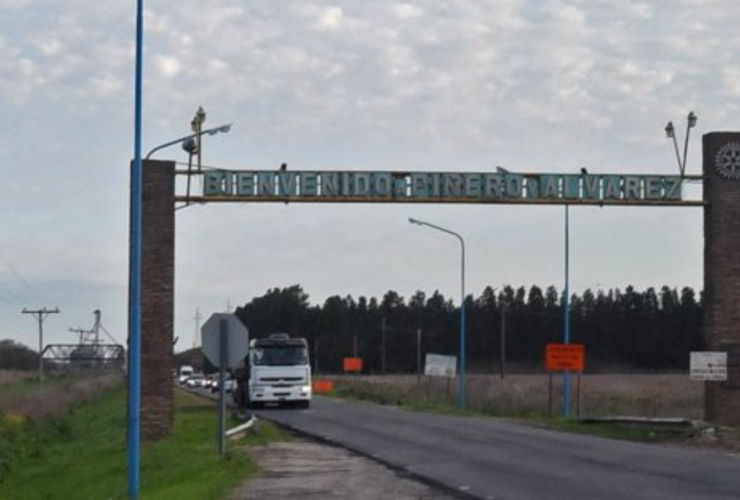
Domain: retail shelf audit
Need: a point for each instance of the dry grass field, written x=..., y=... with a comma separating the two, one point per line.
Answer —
x=22, y=394
x=8, y=376
x=527, y=395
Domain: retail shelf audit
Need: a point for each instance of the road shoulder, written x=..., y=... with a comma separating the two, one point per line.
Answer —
x=309, y=470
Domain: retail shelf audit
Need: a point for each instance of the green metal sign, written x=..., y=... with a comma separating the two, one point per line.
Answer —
x=450, y=187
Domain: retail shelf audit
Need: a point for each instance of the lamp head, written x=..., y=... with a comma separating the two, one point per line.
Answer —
x=669, y=130
x=198, y=119
x=222, y=129
x=692, y=118
x=190, y=145
x=414, y=221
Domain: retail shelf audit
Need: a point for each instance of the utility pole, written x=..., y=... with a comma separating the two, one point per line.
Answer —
x=41, y=315
x=382, y=343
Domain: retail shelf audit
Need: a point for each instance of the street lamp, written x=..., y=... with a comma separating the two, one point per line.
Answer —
x=566, y=313
x=196, y=135
x=192, y=144
x=462, y=385
x=670, y=132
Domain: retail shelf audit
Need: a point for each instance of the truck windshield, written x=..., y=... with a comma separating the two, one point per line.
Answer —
x=279, y=356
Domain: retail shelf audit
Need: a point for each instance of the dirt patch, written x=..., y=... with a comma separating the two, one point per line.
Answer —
x=308, y=470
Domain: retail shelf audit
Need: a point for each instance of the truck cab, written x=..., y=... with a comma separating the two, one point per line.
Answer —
x=279, y=371
x=184, y=373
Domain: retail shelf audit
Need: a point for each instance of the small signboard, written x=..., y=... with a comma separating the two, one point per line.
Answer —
x=353, y=365
x=437, y=365
x=565, y=357
x=708, y=366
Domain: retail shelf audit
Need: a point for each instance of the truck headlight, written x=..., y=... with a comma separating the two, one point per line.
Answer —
x=306, y=388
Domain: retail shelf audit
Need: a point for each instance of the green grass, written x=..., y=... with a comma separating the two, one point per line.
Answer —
x=628, y=432
x=83, y=455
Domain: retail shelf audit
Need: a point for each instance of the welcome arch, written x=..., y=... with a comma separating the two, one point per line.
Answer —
x=720, y=202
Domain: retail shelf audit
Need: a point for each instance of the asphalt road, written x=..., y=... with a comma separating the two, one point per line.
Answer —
x=486, y=459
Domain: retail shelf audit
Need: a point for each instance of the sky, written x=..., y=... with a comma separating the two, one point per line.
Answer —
x=533, y=86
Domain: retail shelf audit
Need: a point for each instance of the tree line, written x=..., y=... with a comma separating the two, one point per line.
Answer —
x=16, y=356
x=621, y=329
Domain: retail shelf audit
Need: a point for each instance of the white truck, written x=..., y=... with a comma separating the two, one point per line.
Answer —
x=184, y=373
x=276, y=371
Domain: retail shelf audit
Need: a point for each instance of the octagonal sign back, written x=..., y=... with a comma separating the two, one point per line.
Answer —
x=237, y=339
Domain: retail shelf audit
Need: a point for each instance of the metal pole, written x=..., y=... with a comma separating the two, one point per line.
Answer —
x=41, y=316
x=418, y=356
x=382, y=342
x=503, y=341
x=134, y=388
x=678, y=156
x=685, y=148
x=223, y=340
x=566, y=329
x=41, y=348
x=463, y=382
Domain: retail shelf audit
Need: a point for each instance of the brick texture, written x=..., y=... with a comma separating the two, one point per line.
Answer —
x=157, y=298
x=721, y=278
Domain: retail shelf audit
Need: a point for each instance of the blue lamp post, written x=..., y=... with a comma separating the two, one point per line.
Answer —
x=566, y=313
x=134, y=389
x=462, y=386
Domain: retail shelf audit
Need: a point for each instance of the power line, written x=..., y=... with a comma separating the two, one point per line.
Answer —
x=18, y=276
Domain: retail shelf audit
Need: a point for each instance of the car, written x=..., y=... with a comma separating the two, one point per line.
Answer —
x=211, y=381
x=196, y=381
x=229, y=384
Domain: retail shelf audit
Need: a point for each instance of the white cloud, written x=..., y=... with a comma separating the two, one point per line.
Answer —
x=50, y=47
x=422, y=84
x=330, y=18
x=731, y=80
x=407, y=11
x=167, y=66
x=107, y=86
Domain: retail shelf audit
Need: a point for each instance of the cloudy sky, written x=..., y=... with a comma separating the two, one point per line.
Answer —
x=530, y=85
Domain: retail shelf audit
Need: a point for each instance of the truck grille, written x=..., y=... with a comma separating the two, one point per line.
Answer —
x=281, y=379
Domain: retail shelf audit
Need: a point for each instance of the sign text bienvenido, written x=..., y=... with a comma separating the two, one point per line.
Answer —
x=300, y=185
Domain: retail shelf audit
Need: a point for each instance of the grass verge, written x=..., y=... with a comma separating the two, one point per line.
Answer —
x=526, y=414
x=82, y=455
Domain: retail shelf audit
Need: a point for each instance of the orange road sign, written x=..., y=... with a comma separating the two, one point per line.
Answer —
x=565, y=357
x=353, y=365
x=323, y=386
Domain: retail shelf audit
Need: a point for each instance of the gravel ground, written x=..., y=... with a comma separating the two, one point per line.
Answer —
x=308, y=470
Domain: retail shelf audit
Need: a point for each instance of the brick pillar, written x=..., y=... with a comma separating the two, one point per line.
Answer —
x=721, y=152
x=157, y=298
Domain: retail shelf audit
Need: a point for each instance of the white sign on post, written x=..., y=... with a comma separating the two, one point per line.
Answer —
x=708, y=366
x=437, y=365
x=237, y=339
